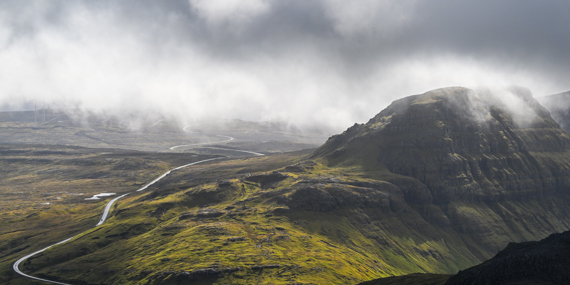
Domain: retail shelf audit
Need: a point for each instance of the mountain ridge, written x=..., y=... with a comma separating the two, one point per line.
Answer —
x=431, y=138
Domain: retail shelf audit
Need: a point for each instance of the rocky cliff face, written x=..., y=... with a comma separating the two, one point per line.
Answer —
x=487, y=166
x=463, y=145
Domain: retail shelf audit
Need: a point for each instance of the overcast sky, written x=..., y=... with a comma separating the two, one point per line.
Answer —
x=311, y=62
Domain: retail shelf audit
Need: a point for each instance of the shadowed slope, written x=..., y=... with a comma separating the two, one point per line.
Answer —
x=542, y=262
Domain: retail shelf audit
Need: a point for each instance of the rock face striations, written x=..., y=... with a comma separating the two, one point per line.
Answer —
x=463, y=145
x=485, y=166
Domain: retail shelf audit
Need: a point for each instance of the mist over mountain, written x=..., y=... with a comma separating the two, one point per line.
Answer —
x=559, y=107
x=435, y=183
x=462, y=144
x=320, y=63
x=225, y=101
x=484, y=164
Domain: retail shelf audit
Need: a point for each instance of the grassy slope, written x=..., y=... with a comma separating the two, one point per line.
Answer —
x=43, y=190
x=155, y=236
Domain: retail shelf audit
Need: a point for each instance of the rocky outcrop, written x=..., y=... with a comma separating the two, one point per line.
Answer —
x=329, y=194
x=300, y=167
x=267, y=180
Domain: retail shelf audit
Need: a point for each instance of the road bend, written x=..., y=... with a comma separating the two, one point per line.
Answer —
x=228, y=138
x=156, y=123
x=16, y=265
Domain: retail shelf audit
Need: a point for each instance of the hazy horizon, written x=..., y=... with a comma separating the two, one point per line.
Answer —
x=311, y=63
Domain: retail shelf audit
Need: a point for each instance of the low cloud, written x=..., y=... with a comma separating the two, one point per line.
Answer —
x=310, y=63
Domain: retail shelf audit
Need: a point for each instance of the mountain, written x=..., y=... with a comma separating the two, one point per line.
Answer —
x=467, y=148
x=463, y=145
x=435, y=183
x=559, y=107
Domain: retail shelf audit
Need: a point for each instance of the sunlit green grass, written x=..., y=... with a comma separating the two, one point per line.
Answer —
x=153, y=236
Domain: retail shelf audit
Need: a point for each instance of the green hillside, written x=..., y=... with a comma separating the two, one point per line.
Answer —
x=435, y=183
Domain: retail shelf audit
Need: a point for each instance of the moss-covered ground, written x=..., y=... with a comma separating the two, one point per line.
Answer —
x=43, y=191
x=277, y=219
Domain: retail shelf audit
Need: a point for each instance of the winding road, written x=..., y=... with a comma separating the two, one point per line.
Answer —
x=16, y=265
x=183, y=145
x=156, y=123
x=228, y=138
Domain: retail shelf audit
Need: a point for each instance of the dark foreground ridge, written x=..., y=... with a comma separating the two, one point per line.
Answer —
x=545, y=262
x=542, y=262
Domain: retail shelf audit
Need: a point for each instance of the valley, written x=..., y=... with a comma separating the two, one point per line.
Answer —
x=50, y=183
x=218, y=136
x=435, y=183
x=278, y=142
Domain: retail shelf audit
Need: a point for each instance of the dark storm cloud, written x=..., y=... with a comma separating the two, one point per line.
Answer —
x=525, y=34
x=325, y=62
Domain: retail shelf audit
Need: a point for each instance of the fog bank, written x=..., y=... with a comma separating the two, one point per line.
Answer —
x=311, y=63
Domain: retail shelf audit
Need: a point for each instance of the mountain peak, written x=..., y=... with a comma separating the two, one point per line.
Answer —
x=462, y=143
x=474, y=104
